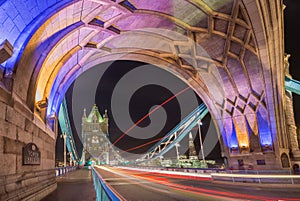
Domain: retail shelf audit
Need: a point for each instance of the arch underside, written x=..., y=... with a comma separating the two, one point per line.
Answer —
x=211, y=45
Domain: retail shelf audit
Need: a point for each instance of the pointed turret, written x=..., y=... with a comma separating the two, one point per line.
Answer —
x=95, y=115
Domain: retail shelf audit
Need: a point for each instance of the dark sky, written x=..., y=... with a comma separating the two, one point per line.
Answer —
x=151, y=95
x=141, y=101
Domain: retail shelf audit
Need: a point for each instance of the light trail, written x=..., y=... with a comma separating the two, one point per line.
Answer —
x=156, y=178
x=148, y=114
x=147, y=143
x=142, y=145
x=144, y=117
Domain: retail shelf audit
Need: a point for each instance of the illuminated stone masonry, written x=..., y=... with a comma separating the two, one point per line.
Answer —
x=230, y=52
x=95, y=139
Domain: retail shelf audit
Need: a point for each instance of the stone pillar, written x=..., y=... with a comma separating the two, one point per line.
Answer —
x=289, y=115
x=291, y=127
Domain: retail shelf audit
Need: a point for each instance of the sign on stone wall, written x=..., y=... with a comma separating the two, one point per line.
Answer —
x=31, y=155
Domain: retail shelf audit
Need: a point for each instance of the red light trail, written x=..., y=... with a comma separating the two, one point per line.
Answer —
x=147, y=115
x=143, y=118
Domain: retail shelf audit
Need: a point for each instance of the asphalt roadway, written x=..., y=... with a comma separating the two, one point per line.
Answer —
x=146, y=186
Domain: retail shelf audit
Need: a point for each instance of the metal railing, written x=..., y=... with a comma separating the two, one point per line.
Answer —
x=103, y=191
x=63, y=170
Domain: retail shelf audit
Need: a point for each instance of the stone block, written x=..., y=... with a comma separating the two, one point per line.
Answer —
x=29, y=126
x=50, y=155
x=8, y=24
x=12, y=146
x=10, y=9
x=30, y=181
x=49, y=145
x=8, y=129
x=3, y=16
x=14, y=117
x=9, y=164
x=42, y=5
x=1, y=145
x=2, y=190
x=2, y=110
x=23, y=109
x=13, y=186
x=49, y=164
x=5, y=95
x=23, y=10
x=19, y=22
x=38, y=141
x=24, y=136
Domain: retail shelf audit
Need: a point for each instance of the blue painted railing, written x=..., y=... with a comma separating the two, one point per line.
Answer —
x=103, y=192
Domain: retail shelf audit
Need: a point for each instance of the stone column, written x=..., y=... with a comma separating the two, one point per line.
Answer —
x=289, y=114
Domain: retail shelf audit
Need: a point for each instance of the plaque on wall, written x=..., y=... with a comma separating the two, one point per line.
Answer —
x=31, y=155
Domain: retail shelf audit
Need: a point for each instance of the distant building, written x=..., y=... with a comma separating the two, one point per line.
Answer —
x=96, y=144
x=192, y=150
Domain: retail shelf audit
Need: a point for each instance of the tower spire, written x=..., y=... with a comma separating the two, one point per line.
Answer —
x=84, y=114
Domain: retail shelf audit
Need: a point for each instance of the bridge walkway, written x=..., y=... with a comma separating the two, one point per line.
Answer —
x=76, y=185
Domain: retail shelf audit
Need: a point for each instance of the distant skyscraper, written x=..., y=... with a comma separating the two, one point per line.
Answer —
x=192, y=150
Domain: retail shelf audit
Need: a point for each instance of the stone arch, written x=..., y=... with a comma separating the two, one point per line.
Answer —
x=242, y=38
x=239, y=56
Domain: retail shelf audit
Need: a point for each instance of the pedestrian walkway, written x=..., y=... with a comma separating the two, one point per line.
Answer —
x=73, y=186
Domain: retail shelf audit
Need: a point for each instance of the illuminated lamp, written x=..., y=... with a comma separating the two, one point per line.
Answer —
x=267, y=147
x=42, y=104
x=244, y=147
x=234, y=149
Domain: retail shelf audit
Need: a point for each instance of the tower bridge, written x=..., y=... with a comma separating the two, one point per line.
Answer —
x=230, y=52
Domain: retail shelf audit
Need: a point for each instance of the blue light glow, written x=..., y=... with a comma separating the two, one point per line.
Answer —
x=233, y=139
x=264, y=130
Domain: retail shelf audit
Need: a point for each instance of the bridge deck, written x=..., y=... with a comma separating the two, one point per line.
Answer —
x=77, y=185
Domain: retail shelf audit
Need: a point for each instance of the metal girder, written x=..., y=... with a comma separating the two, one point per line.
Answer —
x=65, y=126
x=292, y=85
x=176, y=134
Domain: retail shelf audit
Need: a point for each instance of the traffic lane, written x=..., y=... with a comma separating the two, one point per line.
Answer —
x=243, y=190
x=201, y=185
x=133, y=188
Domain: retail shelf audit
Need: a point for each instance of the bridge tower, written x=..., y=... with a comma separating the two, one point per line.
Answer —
x=95, y=137
x=291, y=128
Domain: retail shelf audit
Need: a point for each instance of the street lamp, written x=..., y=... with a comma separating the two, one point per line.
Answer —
x=177, y=153
x=201, y=143
x=71, y=160
x=64, y=136
x=177, y=150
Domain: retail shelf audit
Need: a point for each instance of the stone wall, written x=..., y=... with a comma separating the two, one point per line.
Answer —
x=18, y=127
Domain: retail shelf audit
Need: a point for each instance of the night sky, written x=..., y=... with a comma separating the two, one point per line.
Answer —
x=148, y=96
x=141, y=102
